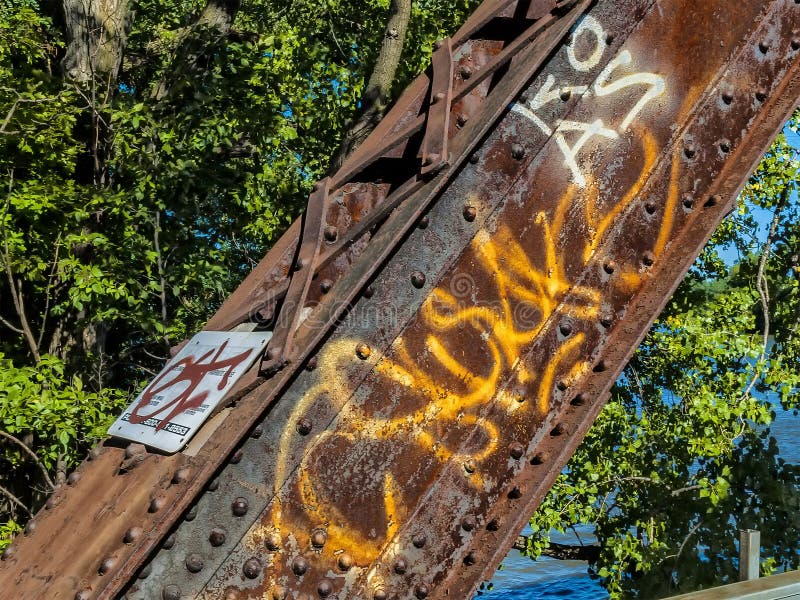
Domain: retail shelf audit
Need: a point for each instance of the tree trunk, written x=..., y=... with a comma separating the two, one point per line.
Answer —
x=378, y=92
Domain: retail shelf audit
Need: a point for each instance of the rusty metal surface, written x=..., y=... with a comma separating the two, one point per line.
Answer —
x=463, y=365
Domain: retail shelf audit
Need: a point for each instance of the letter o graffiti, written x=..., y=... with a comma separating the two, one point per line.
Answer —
x=591, y=26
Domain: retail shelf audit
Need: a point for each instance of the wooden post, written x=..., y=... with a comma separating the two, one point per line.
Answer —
x=749, y=554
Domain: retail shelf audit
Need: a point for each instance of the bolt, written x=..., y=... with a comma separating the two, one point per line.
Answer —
x=430, y=159
x=689, y=150
x=649, y=207
x=558, y=430
x=610, y=39
x=318, y=538
x=9, y=552
x=461, y=119
x=400, y=566
x=468, y=523
x=251, y=568
x=273, y=541
x=324, y=588
x=565, y=328
x=169, y=542
x=469, y=465
x=217, y=537
x=239, y=507
x=369, y=292
x=561, y=385
x=133, y=534
x=763, y=47
x=727, y=97
x=379, y=594
x=515, y=493
x=578, y=400
x=331, y=233
x=474, y=158
x=278, y=592
x=156, y=504
x=523, y=98
x=761, y=94
x=304, y=426
x=688, y=201
x=145, y=572
x=171, y=592
x=565, y=94
x=469, y=559
x=419, y=540
x=599, y=367
x=257, y=432
x=466, y=72
x=795, y=43
x=325, y=286
x=299, y=566
x=470, y=212
x=418, y=279
x=30, y=527
x=421, y=591
x=712, y=201
x=517, y=151
x=83, y=595
x=493, y=525
x=648, y=258
x=236, y=457
x=94, y=453
x=606, y=322
x=423, y=222
x=312, y=363
x=609, y=266
x=214, y=485
x=538, y=458
x=73, y=478
x=438, y=97
x=725, y=146
x=194, y=563
x=363, y=351
x=517, y=450
x=107, y=565
x=345, y=562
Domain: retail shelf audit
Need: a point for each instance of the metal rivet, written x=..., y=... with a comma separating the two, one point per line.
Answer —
x=725, y=146
x=217, y=537
x=171, y=592
x=257, y=432
x=30, y=527
x=278, y=592
x=9, y=552
x=331, y=233
x=493, y=525
x=133, y=534
x=424, y=222
x=145, y=572
x=304, y=426
x=107, y=565
x=578, y=400
x=421, y=591
x=312, y=363
x=609, y=266
x=606, y=322
x=325, y=286
x=517, y=450
x=599, y=367
x=418, y=279
x=94, y=453
x=468, y=523
x=232, y=594
x=156, y=504
x=239, y=507
x=363, y=351
x=727, y=97
x=273, y=541
x=648, y=258
x=565, y=94
x=565, y=328
x=689, y=150
x=469, y=559
x=761, y=94
x=251, y=568
x=650, y=208
x=517, y=151
x=194, y=563
x=83, y=595
x=214, y=485
x=461, y=119
x=474, y=158
x=523, y=98
x=73, y=478
x=419, y=540
x=52, y=501
x=538, y=459
x=324, y=588
x=469, y=465
x=795, y=43
x=610, y=39
x=515, y=493
x=438, y=44
x=299, y=565
x=561, y=385
x=379, y=595
x=236, y=458
x=712, y=201
x=318, y=538
x=465, y=72
x=400, y=566
x=470, y=212
x=558, y=430
x=438, y=97
x=180, y=476
x=369, y=292
x=169, y=542
x=345, y=562
x=688, y=201
x=763, y=47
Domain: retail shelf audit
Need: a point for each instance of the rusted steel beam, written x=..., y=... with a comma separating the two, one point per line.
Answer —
x=460, y=362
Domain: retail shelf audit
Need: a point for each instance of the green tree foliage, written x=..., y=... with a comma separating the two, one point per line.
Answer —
x=681, y=456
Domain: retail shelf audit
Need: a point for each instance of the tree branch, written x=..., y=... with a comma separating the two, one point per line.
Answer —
x=585, y=552
x=30, y=453
x=14, y=499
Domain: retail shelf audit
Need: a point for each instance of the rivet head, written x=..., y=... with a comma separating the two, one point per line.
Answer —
x=273, y=541
x=606, y=322
x=145, y=572
x=538, y=458
x=400, y=566
x=561, y=386
x=688, y=201
x=648, y=258
x=325, y=286
x=345, y=562
x=418, y=279
x=171, y=592
x=331, y=233
x=578, y=400
x=324, y=588
x=689, y=150
x=363, y=351
x=156, y=504
x=469, y=559
x=470, y=212
x=239, y=507
x=515, y=493
x=236, y=457
x=83, y=595
x=517, y=151
x=419, y=540
x=516, y=450
x=312, y=363
x=474, y=158
x=30, y=527
x=318, y=538
x=299, y=565
x=94, y=453
x=133, y=534
x=437, y=98
x=523, y=98
x=609, y=266
x=278, y=592
x=424, y=222
x=421, y=591
x=493, y=525
x=763, y=47
x=725, y=146
x=470, y=465
x=180, y=476
x=468, y=523
x=461, y=119
x=73, y=478
x=650, y=207
x=107, y=565
x=169, y=542
x=369, y=292
x=214, y=485
x=565, y=328
x=727, y=97
x=194, y=563
x=216, y=537
x=557, y=430
x=251, y=568
x=9, y=552
x=304, y=426
x=795, y=43
x=565, y=94
x=379, y=594
x=257, y=432
x=465, y=72
x=761, y=94
x=599, y=367
x=430, y=159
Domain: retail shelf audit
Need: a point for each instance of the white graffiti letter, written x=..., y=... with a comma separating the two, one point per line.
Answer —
x=545, y=95
x=591, y=26
x=603, y=88
x=588, y=129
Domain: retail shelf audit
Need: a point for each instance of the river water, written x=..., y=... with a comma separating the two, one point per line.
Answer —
x=523, y=579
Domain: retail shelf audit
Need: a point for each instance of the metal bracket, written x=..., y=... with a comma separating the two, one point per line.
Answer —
x=433, y=150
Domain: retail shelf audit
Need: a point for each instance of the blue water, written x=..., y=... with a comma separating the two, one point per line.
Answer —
x=547, y=579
